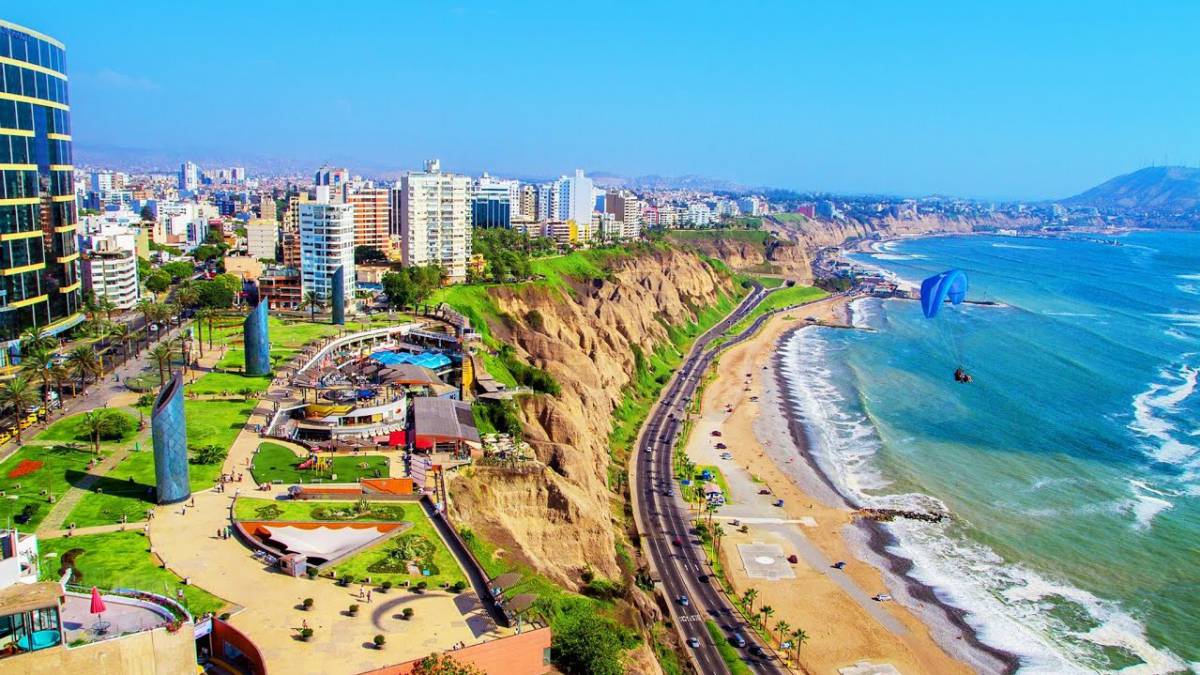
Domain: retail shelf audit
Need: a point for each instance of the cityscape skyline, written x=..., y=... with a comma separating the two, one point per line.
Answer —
x=914, y=100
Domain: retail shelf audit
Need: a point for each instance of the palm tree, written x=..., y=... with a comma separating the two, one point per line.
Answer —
x=62, y=375
x=798, y=639
x=748, y=599
x=38, y=363
x=120, y=332
x=104, y=304
x=312, y=302
x=146, y=307
x=18, y=394
x=90, y=307
x=202, y=315
x=161, y=354
x=718, y=532
x=782, y=626
x=34, y=337
x=767, y=612
x=83, y=361
x=187, y=295
x=96, y=423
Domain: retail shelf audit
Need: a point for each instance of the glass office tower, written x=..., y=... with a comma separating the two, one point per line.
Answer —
x=39, y=261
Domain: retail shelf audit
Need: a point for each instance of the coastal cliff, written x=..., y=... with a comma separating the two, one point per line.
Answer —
x=560, y=516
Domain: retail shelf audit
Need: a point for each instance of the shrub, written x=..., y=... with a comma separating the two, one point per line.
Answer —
x=387, y=585
x=311, y=572
x=224, y=616
x=306, y=633
x=346, y=579
x=535, y=320
x=308, y=603
x=407, y=613
x=353, y=609
x=379, y=640
x=458, y=586
x=421, y=586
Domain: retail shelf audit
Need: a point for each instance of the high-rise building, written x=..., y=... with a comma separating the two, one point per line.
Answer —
x=266, y=207
x=189, y=177
x=262, y=236
x=110, y=270
x=326, y=243
x=334, y=178
x=626, y=209
x=528, y=202
x=291, y=217
x=435, y=226
x=568, y=198
x=40, y=283
x=371, y=217
x=492, y=202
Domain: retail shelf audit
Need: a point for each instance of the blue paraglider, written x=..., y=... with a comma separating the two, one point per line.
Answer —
x=937, y=289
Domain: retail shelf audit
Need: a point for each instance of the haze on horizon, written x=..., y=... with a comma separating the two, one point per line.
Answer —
x=1029, y=100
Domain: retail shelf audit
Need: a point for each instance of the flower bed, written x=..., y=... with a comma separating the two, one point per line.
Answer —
x=26, y=467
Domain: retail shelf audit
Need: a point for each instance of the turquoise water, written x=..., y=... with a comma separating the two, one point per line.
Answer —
x=1071, y=465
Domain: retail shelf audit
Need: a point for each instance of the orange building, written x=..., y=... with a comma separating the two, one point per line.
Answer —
x=525, y=654
x=371, y=216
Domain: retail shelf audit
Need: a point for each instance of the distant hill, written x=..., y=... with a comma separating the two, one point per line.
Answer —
x=1155, y=188
x=653, y=182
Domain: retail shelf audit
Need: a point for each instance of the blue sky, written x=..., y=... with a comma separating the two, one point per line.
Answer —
x=997, y=99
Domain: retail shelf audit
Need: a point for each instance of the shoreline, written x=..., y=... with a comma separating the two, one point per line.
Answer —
x=814, y=523
x=874, y=537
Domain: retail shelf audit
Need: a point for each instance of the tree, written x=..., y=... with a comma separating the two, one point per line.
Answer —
x=103, y=423
x=587, y=643
x=35, y=337
x=311, y=301
x=208, y=454
x=121, y=333
x=767, y=612
x=748, y=599
x=443, y=664
x=215, y=293
x=368, y=254
x=39, y=363
x=161, y=355
x=104, y=304
x=18, y=394
x=158, y=281
x=84, y=362
x=207, y=315
x=399, y=289
x=799, y=637
x=187, y=295
x=61, y=375
x=782, y=627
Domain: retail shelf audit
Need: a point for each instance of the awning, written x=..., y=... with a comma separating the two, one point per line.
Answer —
x=397, y=438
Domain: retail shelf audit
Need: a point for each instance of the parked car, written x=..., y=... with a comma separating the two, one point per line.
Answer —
x=778, y=502
x=764, y=491
x=793, y=559
x=716, y=432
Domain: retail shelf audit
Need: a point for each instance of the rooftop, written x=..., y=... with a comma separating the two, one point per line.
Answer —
x=444, y=419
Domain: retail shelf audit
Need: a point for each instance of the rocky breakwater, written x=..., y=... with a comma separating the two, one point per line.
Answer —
x=565, y=518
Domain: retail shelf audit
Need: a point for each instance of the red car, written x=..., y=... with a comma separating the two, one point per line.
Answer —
x=677, y=541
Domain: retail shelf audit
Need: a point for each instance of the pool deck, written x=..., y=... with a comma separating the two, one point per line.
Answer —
x=123, y=616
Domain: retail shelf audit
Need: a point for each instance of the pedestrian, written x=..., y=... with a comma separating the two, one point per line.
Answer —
x=368, y=595
x=361, y=592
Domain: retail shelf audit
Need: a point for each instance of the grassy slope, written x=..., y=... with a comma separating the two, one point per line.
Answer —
x=795, y=295
x=275, y=462
x=750, y=236
x=448, y=569
x=123, y=560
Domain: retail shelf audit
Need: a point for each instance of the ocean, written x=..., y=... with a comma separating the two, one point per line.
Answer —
x=1070, y=466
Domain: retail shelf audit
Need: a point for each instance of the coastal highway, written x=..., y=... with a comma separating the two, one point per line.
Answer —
x=664, y=519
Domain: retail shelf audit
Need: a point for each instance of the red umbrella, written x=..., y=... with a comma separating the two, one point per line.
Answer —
x=97, y=602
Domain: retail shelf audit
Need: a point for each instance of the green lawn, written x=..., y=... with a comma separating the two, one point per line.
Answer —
x=770, y=282
x=61, y=467
x=276, y=462
x=448, y=570
x=122, y=560
x=784, y=297
x=248, y=508
x=70, y=429
x=718, y=478
x=229, y=383
x=793, y=218
x=287, y=337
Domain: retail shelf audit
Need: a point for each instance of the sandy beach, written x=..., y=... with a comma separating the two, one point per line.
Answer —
x=845, y=626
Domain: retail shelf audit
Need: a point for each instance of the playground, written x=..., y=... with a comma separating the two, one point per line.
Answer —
x=275, y=463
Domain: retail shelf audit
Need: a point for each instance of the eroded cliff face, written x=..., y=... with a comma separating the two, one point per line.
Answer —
x=562, y=518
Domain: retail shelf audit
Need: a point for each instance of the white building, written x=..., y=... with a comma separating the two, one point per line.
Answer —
x=18, y=558
x=189, y=177
x=698, y=215
x=435, y=220
x=326, y=243
x=568, y=198
x=110, y=267
x=262, y=238
x=752, y=205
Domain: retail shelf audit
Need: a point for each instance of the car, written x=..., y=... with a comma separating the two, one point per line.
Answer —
x=669, y=493
x=716, y=432
x=683, y=600
x=738, y=640
x=757, y=651
x=703, y=578
x=721, y=446
x=779, y=502
x=881, y=597
x=677, y=541
x=839, y=565
x=726, y=455
x=764, y=491
x=694, y=642
x=793, y=559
